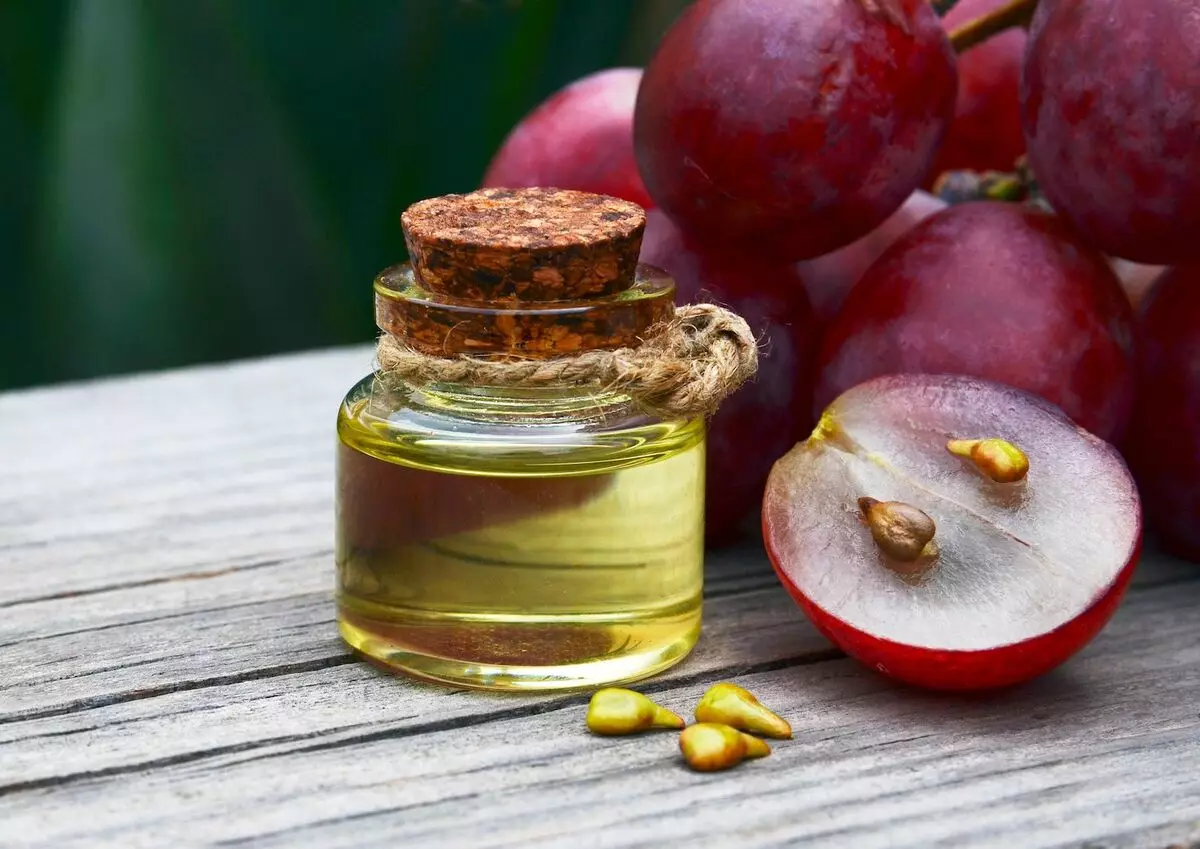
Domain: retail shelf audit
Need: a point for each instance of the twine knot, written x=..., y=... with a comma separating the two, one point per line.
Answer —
x=685, y=367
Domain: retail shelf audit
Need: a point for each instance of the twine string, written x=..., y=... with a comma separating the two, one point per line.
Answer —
x=685, y=367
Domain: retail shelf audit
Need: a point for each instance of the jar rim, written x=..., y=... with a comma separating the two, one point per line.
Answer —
x=442, y=325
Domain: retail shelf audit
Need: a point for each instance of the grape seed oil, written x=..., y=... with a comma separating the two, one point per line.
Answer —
x=533, y=557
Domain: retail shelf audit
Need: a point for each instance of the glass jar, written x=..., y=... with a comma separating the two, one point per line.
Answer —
x=546, y=537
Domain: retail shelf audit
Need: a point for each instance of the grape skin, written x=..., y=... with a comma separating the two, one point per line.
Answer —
x=793, y=127
x=1111, y=115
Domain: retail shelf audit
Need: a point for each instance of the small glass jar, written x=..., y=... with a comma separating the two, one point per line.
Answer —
x=522, y=539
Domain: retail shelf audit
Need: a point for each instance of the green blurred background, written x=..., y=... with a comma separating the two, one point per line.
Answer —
x=192, y=181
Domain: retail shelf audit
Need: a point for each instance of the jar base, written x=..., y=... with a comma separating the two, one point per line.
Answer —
x=521, y=653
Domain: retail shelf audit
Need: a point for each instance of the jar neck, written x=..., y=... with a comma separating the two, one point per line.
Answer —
x=548, y=405
x=440, y=326
x=443, y=326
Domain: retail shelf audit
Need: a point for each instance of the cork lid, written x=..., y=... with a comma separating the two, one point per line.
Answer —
x=531, y=244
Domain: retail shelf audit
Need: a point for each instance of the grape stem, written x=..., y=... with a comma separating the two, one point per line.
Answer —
x=1015, y=13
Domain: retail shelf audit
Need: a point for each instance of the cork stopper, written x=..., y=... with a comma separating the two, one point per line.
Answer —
x=530, y=244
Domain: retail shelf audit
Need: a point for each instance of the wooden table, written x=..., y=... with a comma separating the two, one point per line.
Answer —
x=172, y=676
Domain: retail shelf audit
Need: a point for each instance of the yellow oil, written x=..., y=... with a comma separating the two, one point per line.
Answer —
x=517, y=543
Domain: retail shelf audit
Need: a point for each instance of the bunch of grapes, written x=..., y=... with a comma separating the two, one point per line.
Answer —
x=804, y=161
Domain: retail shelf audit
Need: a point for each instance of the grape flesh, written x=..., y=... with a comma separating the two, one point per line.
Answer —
x=793, y=127
x=1111, y=116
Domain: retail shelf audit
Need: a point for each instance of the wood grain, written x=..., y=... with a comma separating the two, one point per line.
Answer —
x=1107, y=746
x=196, y=685
x=171, y=675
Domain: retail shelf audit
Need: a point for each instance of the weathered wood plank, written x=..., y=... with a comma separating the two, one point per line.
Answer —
x=182, y=698
x=144, y=478
x=1105, y=748
x=178, y=686
x=262, y=620
x=171, y=674
x=92, y=648
x=236, y=583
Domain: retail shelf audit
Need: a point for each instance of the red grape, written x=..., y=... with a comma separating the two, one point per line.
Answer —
x=793, y=126
x=1011, y=579
x=986, y=133
x=1164, y=440
x=829, y=278
x=580, y=138
x=1111, y=114
x=767, y=416
x=998, y=291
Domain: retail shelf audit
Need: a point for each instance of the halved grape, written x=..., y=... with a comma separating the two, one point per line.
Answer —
x=1018, y=576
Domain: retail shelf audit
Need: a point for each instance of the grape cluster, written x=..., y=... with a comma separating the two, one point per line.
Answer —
x=787, y=148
